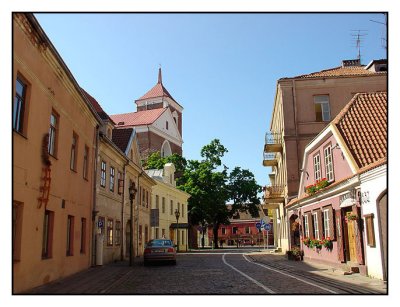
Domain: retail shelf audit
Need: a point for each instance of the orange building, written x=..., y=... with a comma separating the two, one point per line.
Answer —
x=54, y=145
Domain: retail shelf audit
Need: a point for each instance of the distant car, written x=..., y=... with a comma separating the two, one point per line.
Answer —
x=159, y=250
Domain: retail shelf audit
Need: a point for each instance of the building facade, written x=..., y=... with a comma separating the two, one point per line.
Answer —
x=54, y=148
x=167, y=200
x=342, y=193
x=303, y=106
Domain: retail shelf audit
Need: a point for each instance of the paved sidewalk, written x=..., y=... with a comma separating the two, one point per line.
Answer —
x=320, y=269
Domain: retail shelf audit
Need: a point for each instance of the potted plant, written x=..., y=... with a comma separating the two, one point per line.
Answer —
x=307, y=241
x=311, y=189
x=294, y=254
x=316, y=243
x=351, y=217
x=327, y=243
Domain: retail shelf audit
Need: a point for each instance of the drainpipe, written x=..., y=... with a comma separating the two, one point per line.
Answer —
x=94, y=212
x=138, y=210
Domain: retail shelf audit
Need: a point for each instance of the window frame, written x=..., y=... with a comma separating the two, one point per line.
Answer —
x=53, y=134
x=370, y=230
x=83, y=235
x=163, y=204
x=326, y=221
x=317, y=166
x=324, y=105
x=47, y=235
x=103, y=174
x=70, y=235
x=316, y=226
x=20, y=100
x=117, y=235
x=306, y=226
x=74, y=152
x=112, y=179
x=171, y=207
x=328, y=158
x=86, y=163
x=110, y=232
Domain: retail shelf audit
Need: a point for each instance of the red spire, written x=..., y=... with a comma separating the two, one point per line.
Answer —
x=159, y=76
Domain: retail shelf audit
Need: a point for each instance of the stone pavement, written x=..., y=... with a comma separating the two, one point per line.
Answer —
x=320, y=269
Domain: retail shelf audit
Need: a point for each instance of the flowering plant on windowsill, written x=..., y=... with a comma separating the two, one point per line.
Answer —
x=327, y=243
x=351, y=217
x=307, y=241
x=316, y=243
x=318, y=185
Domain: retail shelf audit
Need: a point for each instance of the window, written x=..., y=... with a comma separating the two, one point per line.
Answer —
x=147, y=200
x=74, y=148
x=140, y=234
x=19, y=105
x=183, y=237
x=163, y=205
x=321, y=105
x=157, y=233
x=53, y=133
x=143, y=197
x=316, y=229
x=166, y=125
x=47, y=241
x=247, y=229
x=117, y=233
x=120, y=183
x=183, y=212
x=328, y=163
x=171, y=208
x=112, y=176
x=103, y=174
x=100, y=224
x=327, y=230
x=146, y=233
x=163, y=233
x=223, y=231
x=70, y=235
x=86, y=163
x=369, y=223
x=234, y=230
x=17, y=230
x=306, y=227
x=83, y=235
x=317, y=167
x=110, y=232
x=157, y=202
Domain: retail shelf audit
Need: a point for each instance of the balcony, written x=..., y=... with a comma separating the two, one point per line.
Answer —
x=273, y=142
x=270, y=159
x=274, y=194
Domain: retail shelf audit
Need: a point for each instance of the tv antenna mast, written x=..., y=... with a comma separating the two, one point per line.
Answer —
x=358, y=38
x=384, y=32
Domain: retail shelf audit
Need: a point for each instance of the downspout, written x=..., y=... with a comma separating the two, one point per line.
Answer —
x=138, y=210
x=94, y=212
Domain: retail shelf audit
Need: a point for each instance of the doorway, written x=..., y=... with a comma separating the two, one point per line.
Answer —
x=350, y=239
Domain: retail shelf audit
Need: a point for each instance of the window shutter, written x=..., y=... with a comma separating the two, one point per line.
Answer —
x=320, y=224
x=332, y=223
x=310, y=224
x=359, y=237
x=303, y=226
x=339, y=235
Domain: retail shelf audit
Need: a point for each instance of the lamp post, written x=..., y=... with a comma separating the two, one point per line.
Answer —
x=132, y=193
x=177, y=214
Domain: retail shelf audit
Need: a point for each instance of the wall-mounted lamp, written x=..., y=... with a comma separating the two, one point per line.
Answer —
x=336, y=146
x=303, y=171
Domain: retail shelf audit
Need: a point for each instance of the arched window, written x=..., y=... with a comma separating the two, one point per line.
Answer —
x=166, y=149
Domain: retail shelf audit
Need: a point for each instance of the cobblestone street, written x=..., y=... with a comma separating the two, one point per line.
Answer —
x=215, y=272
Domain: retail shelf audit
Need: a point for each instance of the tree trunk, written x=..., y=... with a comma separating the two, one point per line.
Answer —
x=215, y=233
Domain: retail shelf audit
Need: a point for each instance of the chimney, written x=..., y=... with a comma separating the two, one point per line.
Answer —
x=349, y=63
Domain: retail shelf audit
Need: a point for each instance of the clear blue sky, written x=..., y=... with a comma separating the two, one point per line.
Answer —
x=222, y=68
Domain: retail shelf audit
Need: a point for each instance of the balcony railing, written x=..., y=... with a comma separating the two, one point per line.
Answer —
x=274, y=193
x=273, y=142
x=270, y=159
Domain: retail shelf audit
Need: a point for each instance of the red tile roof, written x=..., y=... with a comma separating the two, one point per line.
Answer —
x=96, y=106
x=121, y=137
x=137, y=118
x=363, y=126
x=339, y=72
x=157, y=91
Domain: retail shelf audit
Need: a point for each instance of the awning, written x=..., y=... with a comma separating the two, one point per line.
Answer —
x=180, y=225
x=348, y=202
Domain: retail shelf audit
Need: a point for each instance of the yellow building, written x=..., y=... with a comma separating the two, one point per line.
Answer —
x=168, y=200
x=54, y=145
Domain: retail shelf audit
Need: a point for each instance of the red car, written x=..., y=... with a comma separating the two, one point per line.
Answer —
x=159, y=250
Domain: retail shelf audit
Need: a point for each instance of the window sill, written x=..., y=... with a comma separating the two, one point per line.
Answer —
x=20, y=134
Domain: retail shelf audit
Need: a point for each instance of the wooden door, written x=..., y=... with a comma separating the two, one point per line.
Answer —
x=351, y=239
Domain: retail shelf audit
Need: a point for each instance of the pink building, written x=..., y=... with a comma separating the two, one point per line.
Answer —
x=328, y=211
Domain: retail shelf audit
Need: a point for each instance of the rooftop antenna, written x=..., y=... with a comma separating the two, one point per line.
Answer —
x=384, y=32
x=358, y=38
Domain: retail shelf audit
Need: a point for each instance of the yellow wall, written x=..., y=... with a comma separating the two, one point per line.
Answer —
x=49, y=87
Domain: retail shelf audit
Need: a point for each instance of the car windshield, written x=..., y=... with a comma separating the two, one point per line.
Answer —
x=160, y=243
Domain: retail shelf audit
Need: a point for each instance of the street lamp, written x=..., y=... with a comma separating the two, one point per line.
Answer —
x=177, y=213
x=132, y=193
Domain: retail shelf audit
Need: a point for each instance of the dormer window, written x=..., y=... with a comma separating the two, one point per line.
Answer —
x=166, y=125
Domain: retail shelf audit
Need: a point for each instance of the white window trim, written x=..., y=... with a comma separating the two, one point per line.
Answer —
x=306, y=227
x=317, y=167
x=330, y=176
x=327, y=230
x=316, y=228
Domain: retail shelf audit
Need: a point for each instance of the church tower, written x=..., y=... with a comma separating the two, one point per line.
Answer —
x=158, y=121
